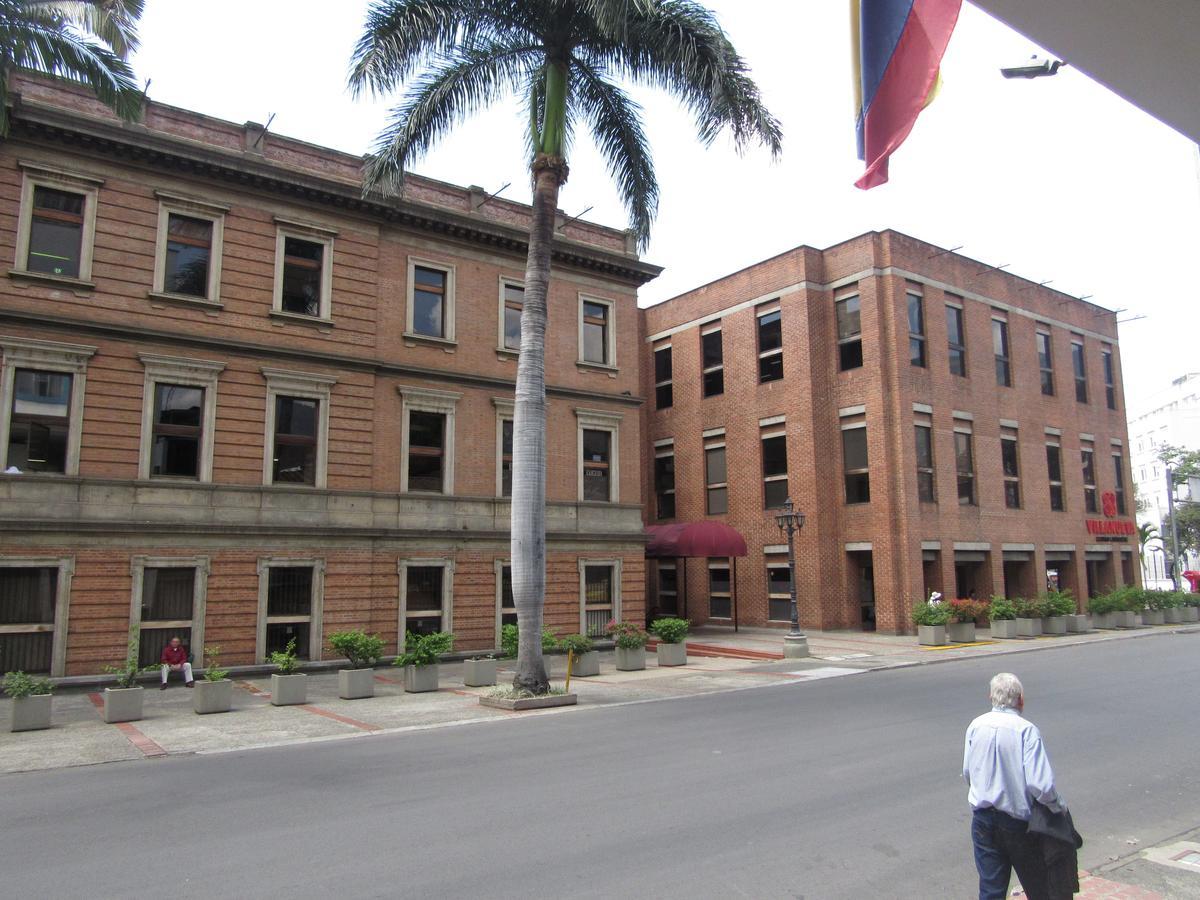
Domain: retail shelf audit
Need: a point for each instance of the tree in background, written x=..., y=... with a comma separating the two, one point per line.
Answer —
x=1146, y=532
x=86, y=41
x=568, y=59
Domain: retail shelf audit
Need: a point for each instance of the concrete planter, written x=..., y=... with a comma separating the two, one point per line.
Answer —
x=212, y=696
x=289, y=690
x=123, y=704
x=1078, y=624
x=961, y=632
x=1004, y=628
x=478, y=672
x=931, y=635
x=671, y=654
x=585, y=665
x=545, y=702
x=1054, y=625
x=1029, y=627
x=423, y=679
x=1126, y=619
x=1191, y=613
x=356, y=684
x=1106, y=620
x=1173, y=616
x=1153, y=617
x=631, y=659
x=31, y=713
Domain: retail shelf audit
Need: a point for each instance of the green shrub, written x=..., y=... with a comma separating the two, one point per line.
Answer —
x=1164, y=599
x=285, y=660
x=212, y=668
x=18, y=685
x=926, y=613
x=424, y=649
x=510, y=638
x=670, y=630
x=361, y=649
x=1032, y=608
x=626, y=635
x=1190, y=599
x=1001, y=609
x=1103, y=604
x=127, y=672
x=577, y=644
x=1058, y=603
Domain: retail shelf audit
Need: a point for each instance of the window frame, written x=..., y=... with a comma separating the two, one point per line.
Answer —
x=719, y=368
x=506, y=282
x=615, y=564
x=175, y=204
x=1053, y=483
x=960, y=348
x=847, y=472
x=963, y=432
x=186, y=372
x=62, y=605
x=668, y=382
x=316, y=608
x=1118, y=458
x=498, y=566
x=446, y=564
x=1079, y=368
x=35, y=176
x=1046, y=372
x=505, y=412
x=661, y=566
x=780, y=563
x=920, y=338
x=44, y=356
x=428, y=400
x=599, y=420
x=931, y=469
x=760, y=313
x=1003, y=360
x=1015, y=478
x=448, y=301
x=1108, y=369
x=850, y=339
x=770, y=432
x=664, y=450
x=1087, y=465
x=313, y=234
x=610, y=332
x=712, y=443
x=305, y=386
x=201, y=566
x=719, y=563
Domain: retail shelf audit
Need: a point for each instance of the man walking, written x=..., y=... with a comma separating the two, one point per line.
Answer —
x=1006, y=769
x=175, y=658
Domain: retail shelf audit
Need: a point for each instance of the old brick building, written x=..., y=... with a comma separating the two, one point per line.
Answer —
x=241, y=402
x=943, y=426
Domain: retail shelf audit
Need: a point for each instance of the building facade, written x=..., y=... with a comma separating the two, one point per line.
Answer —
x=241, y=402
x=944, y=426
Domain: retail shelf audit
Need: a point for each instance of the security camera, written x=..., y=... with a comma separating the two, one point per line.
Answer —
x=1036, y=68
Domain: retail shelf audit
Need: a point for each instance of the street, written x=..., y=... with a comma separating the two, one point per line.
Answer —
x=847, y=787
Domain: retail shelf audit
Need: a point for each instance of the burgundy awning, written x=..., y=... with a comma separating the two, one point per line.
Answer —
x=713, y=539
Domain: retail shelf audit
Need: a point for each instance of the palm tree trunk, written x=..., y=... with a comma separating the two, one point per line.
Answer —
x=529, y=433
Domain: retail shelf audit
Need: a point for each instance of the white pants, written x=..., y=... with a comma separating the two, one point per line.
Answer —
x=187, y=672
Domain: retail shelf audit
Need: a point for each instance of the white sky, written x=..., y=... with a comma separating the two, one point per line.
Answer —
x=1057, y=176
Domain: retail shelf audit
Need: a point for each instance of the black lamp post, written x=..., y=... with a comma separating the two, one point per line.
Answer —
x=795, y=645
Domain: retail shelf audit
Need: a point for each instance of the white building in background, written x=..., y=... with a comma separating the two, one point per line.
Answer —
x=1170, y=416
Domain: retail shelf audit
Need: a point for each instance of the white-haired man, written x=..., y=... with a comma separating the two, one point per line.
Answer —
x=1006, y=769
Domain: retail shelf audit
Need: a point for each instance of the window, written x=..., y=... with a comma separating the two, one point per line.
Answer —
x=297, y=427
x=1000, y=350
x=770, y=345
x=600, y=595
x=663, y=396
x=854, y=463
x=1054, y=474
x=598, y=443
x=1012, y=472
x=956, y=340
x=715, y=479
x=964, y=462
x=664, y=480
x=849, y=333
x=41, y=405
x=187, y=262
x=668, y=589
x=303, y=270
x=504, y=446
x=1110, y=381
x=926, y=490
x=775, y=469
x=430, y=313
x=1119, y=482
x=779, y=592
x=427, y=443
x=1088, y=459
x=168, y=601
x=916, y=329
x=720, y=596
x=57, y=225
x=1045, y=362
x=596, y=344
x=34, y=593
x=178, y=417
x=291, y=594
x=426, y=596
x=713, y=362
x=512, y=302
x=506, y=607
x=1079, y=365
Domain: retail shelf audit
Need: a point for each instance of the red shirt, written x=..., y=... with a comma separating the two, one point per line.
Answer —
x=174, y=656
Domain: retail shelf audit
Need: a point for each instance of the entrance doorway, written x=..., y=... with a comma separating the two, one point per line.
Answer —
x=862, y=573
x=1018, y=574
x=1099, y=569
x=971, y=575
x=931, y=572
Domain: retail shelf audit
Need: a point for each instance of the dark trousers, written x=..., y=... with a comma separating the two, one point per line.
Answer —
x=1002, y=844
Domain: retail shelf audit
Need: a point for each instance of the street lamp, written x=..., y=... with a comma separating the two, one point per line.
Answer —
x=795, y=645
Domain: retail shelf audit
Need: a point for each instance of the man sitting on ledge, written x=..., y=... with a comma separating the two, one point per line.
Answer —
x=175, y=658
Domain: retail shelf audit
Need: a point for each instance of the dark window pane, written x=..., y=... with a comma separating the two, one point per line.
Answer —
x=1003, y=373
x=718, y=501
x=1008, y=455
x=424, y=473
x=849, y=318
x=178, y=404
x=1054, y=463
x=27, y=597
x=718, y=580
x=55, y=232
x=177, y=457
x=423, y=624
x=429, y=294
x=279, y=634
x=289, y=591
x=595, y=332
x=432, y=278
x=770, y=332
x=662, y=364
x=775, y=493
x=774, y=453
x=189, y=247
x=925, y=491
x=770, y=368
x=512, y=328
x=958, y=362
x=858, y=487
x=966, y=490
x=924, y=438
x=1012, y=494
x=596, y=463
x=506, y=593
x=177, y=430
x=916, y=351
x=425, y=429
x=1047, y=383
x=167, y=593
x=29, y=652
x=954, y=325
x=39, y=424
x=664, y=397
x=506, y=453
x=711, y=350
x=714, y=382
x=295, y=460
x=850, y=355
x=916, y=314
x=854, y=448
x=720, y=607
x=423, y=590
x=1056, y=497
x=714, y=465
x=302, y=265
x=1089, y=500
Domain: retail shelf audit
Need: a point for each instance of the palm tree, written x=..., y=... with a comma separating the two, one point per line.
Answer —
x=566, y=59
x=87, y=41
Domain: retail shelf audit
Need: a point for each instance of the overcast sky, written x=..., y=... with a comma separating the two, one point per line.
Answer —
x=1058, y=177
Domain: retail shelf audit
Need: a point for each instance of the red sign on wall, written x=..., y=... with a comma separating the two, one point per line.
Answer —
x=1110, y=526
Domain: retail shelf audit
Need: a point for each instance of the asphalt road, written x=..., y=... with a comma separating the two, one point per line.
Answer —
x=841, y=788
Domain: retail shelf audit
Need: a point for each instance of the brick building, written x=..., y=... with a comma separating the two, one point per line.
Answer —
x=248, y=404
x=943, y=426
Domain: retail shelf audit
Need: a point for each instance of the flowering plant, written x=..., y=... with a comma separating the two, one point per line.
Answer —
x=626, y=635
x=926, y=613
x=967, y=610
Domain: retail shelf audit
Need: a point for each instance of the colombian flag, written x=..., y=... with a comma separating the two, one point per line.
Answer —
x=898, y=47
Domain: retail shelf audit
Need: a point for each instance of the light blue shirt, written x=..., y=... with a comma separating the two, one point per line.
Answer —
x=1005, y=765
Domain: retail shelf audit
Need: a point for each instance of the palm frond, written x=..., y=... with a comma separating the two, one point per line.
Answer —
x=112, y=21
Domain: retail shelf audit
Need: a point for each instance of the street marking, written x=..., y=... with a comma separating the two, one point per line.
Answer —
x=345, y=720
x=825, y=672
x=139, y=740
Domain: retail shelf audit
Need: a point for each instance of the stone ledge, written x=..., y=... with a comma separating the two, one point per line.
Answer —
x=525, y=703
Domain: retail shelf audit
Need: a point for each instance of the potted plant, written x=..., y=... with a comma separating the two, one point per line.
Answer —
x=1029, y=617
x=1172, y=607
x=671, y=633
x=1191, y=607
x=288, y=687
x=123, y=703
x=960, y=628
x=631, y=645
x=1154, y=608
x=510, y=635
x=215, y=693
x=479, y=671
x=363, y=651
x=1103, y=609
x=1002, y=613
x=1056, y=606
x=420, y=660
x=1130, y=603
x=931, y=619
x=585, y=658
x=31, y=700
